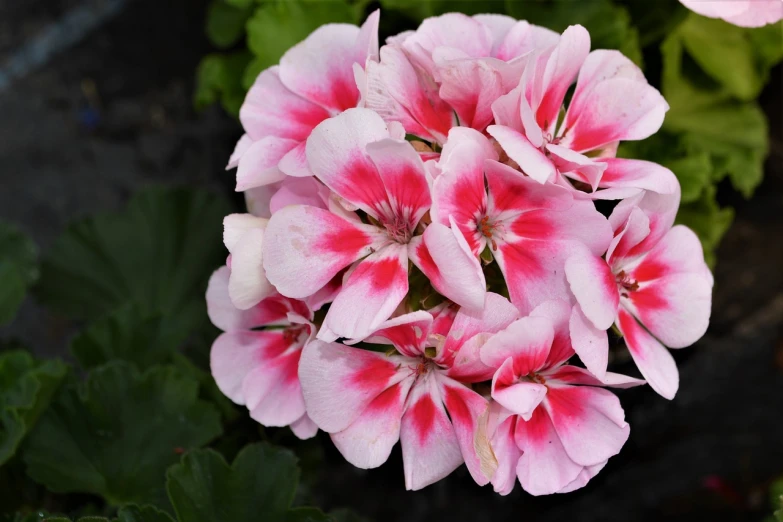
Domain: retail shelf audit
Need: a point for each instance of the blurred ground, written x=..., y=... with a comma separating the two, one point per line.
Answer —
x=113, y=113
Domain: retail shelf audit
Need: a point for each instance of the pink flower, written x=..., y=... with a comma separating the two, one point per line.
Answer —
x=530, y=229
x=369, y=400
x=654, y=285
x=451, y=64
x=258, y=368
x=314, y=81
x=745, y=13
x=552, y=427
x=612, y=102
x=372, y=170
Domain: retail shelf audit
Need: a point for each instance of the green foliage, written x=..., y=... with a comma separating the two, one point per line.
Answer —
x=26, y=388
x=128, y=334
x=157, y=254
x=219, y=78
x=226, y=23
x=116, y=434
x=204, y=488
x=18, y=270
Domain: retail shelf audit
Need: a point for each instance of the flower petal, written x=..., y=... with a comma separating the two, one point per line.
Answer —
x=589, y=342
x=638, y=174
x=248, y=283
x=271, y=109
x=445, y=257
x=235, y=354
x=272, y=392
x=559, y=313
x=339, y=382
x=523, y=38
x=258, y=165
x=530, y=159
x=544, y=467
x=430, y=447
x=616, y=109
x=305, y=247
x=651, y=357
x=526, y=341
x=368, y=441
x=674, y=298
x=505, y=448
x=498, y=313
x=584, y=477
x=336, y=153
x=299, y=191
x=575, y=375
x=594, y=286
x=320, y=68
x=589, y=422
x=294, y=163
x=402, y=172
x=369, y=295
x=520, y=398
x=304, y=428
x=465, y=408
x=406, y=332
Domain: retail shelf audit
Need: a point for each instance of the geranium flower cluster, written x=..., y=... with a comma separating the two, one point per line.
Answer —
x=423, y=259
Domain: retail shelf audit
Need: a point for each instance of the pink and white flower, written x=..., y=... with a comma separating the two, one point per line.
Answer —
x=530, y=229
x=552, y=425
x=612, y=102
x=259, y=368
x=744, y=13
x=654, y=285
x=372, y=170
x=313, y=82
x=420, y=396
x=452, y=64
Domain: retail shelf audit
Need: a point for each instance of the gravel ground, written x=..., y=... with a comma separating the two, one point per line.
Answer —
x=112, y=113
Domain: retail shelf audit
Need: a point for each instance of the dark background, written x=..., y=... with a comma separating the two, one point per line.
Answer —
x=111, y=112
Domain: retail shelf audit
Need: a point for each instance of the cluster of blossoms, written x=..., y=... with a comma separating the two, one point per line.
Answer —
x=423, y=255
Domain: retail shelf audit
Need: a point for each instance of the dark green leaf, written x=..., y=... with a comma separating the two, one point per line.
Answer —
x=116, y=434
x=18, y=269
x=609, y=24
x=157, y=254
x=128, y=334
x=226, y=23
x=26, y=389
x=708, y=220
x=262, y=479
x=277, y=26
x=242, y=3
x=134, y=513
x=654, y=20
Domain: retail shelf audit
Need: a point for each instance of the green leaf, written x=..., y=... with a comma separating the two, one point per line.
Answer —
x=158, y=254
x=116, y=434
x=654, y=20
x=279, y=25
x=708, y=220
x=219, y=79
x=420, y=9
x=242, y=3
x=609, y=24
x=18, y=269
x=262, y=479
x=128, y=334
x=134, y=513
x=226, y=23
x=733, y=133
x=26, y=389
x=736, y=57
